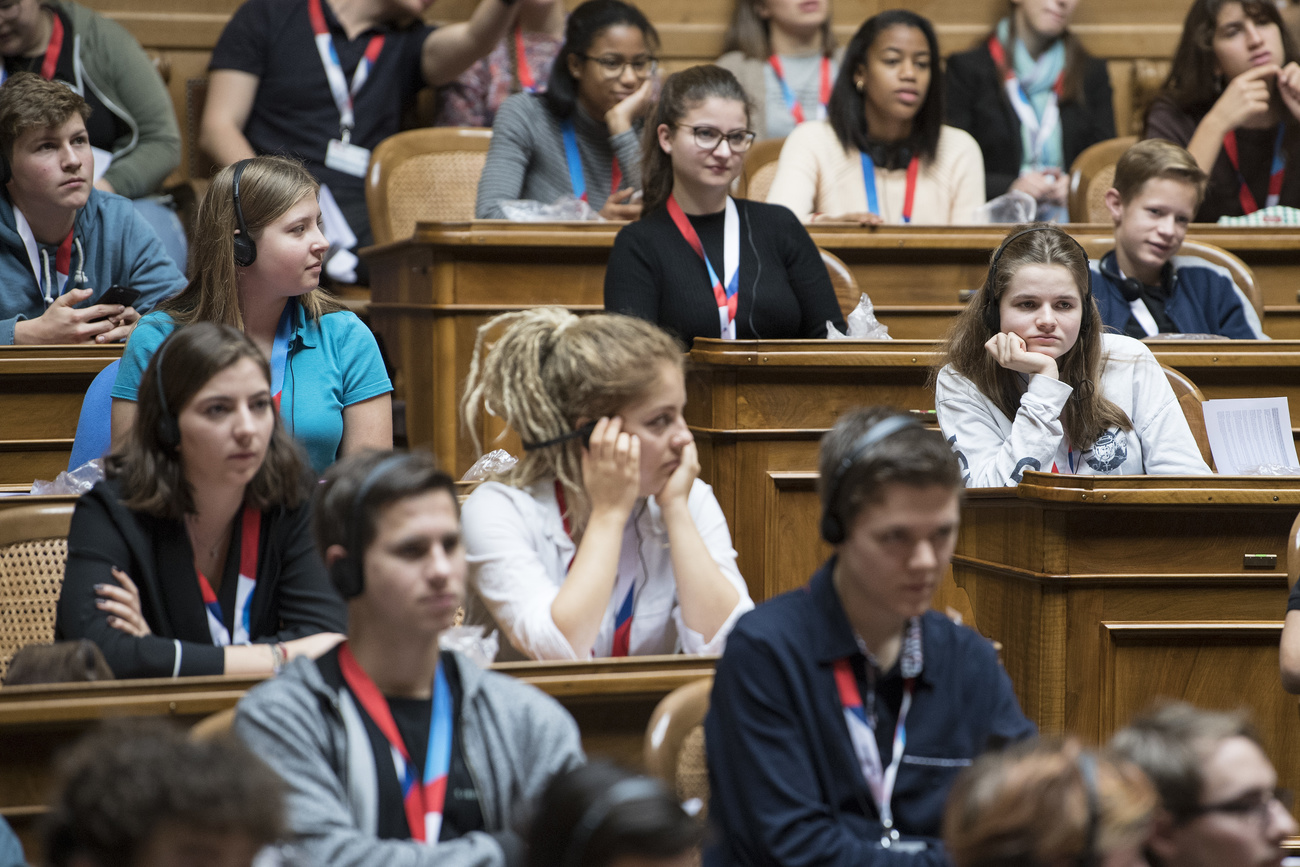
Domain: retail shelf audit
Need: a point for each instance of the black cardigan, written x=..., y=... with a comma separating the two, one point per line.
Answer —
x=977, y=102
x=785, y=290
x=293, y=596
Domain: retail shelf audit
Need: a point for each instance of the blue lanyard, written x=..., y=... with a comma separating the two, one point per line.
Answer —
x=869, y=178
x=280, y=349
x=573, y=158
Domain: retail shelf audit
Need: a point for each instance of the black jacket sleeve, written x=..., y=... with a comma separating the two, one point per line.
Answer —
x=632, y=276
x=808, y=277
x=976, y=103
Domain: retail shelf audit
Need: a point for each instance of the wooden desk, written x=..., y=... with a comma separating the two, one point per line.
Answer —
x=41, y=388
x=611, y=699
x=1107, y=593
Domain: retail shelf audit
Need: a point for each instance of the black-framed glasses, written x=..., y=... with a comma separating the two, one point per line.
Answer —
x=613, y=65
x=1255, y=805
x=708, y=138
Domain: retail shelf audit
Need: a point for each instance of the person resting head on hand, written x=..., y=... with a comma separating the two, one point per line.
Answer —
x=1029, y=381
x=194, y=556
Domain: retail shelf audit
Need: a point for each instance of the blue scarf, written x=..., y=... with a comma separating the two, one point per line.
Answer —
x=1036, y=79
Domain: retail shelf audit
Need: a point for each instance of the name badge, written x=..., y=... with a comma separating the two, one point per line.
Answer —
x=342, y=156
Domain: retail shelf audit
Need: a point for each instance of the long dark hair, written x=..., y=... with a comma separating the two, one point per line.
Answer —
x=149, y=470
x=681, y=92
x=846, y=113
x=586, y=23
x=1193, y=85
x=1088, y=413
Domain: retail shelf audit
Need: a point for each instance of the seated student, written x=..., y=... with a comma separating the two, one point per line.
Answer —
x=783, y=53
x=62, y=242
x=1232, y=99
x=1047, y=804
x=1034, y=99
x=325, y=81
x=662, y=266
x=1220, y=805
x=581, y=137
x=257, y=267
x=1143, y=287
x=388, y=712
x=884, y=155
x=521, y=61
x=602, y=540
x=141, y=793
x=1028, y=381
x=131, y=121
x=842, y=711
x=192, y=557
x=599, y=815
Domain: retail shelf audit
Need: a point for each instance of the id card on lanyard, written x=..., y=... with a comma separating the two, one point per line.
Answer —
x=340, y=154
x=727, y=295
x=573, y=158
x=249, y=540
x=880, y=779
x=1277, y=171
x=623, y=617
x=1039, y=131
x=787, y=92
x=423, y=796
x=873, y=195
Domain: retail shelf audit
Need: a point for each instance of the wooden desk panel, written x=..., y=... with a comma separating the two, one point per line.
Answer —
x=41, y=389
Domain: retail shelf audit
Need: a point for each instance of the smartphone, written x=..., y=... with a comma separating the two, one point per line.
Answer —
x=123, y=295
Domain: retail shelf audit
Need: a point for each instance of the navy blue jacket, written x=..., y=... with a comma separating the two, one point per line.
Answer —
x=786, y=785
x=1204, y=300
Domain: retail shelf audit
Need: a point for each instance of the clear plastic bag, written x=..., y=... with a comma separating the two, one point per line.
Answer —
x=1012, y=206
x=494, y=463
x=76, y=482
x=862, y=323
x=471, y=641
x=563, y=208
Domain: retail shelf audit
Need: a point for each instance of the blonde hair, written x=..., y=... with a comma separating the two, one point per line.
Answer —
x=1157, y=158
x=1046, y=803
x=551, y=368
x=269, y=187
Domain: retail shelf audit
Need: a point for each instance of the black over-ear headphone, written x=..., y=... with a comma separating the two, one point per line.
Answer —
x=993, y=316
x=832, y=526
x=245, y=246
x=622, y=792
x=347, y=572
x=1130, y=287
x=890, y=155
x=169, y=427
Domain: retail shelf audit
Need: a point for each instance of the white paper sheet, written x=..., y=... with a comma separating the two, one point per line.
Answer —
x=1248, y=433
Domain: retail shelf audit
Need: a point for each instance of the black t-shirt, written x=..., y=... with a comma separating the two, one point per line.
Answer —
x=461, y=812
x=104, y=127
x=294, y=112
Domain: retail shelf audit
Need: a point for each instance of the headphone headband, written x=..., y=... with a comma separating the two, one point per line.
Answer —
x=245, y=247
x=622, y=792
x=992, y=316
x=347, y=572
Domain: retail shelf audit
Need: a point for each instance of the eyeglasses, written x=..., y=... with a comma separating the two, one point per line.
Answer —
x=1256, y=805
x=613, y=65
x=708, y=138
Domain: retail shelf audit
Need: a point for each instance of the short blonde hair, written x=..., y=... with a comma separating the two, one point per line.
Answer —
x=1157, y=158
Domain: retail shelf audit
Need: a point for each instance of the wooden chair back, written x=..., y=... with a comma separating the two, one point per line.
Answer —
x=1190, y=398
x=760, y=169
x=33, y=550
x=1293, y=554
x=674, y=742
x=1091, y=176
x=214, y=726
x=424, y=174
x=1242, y=274
x=846, y=287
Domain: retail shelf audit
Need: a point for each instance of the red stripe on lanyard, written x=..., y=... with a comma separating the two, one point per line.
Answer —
x=63, y=256
x=331, y=61
x=823, y=89
x=1276, y=175
x=615, y=177
x=909, y=195
x=522, y=69
x=250, y=539
x=693, y=239
x=999, y=56
x=424, y=796
x=53, y=50
x=880, y=779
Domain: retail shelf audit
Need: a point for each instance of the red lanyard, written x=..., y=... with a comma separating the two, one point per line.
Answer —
x=522, y=69
x=727, y=295
x=880, y=779
x=423, y=797
x=1276, y=173
x=340, y=89
x=791, y=102
x=250, y=540
x=909, y=192
x=1000, y=61
x=53, y=50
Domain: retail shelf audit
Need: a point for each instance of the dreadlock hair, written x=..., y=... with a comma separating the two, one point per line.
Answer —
x=1088, y=413
x=551, y=368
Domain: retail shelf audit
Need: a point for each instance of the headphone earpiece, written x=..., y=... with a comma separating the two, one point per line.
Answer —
x=245, y=246
x=890, y=155
x=169, y=427
x=347, y=573
x=832, y=526
x=1130, y=288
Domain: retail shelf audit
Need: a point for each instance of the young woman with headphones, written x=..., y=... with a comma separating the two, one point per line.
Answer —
x=195, y=555
x=257, y=256
x=602, y=540
x=1029, y=381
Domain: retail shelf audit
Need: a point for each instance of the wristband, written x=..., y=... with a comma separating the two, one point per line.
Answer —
x=278, y=657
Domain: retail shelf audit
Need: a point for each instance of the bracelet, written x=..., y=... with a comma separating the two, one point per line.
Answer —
x=278, y=657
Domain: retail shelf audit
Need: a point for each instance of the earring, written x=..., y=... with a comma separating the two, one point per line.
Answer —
x=858, y=85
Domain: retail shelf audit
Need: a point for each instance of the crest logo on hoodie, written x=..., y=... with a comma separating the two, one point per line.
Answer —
x=1109, y=451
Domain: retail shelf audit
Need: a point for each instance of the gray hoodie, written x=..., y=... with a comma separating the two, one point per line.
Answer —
x=515, y=739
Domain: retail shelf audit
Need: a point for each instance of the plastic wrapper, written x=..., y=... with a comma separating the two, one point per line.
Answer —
x=1272, y=470
x=76, y=482
x=493, y=463
x=533, y=211
x=471, y=641
x=863, y=324
x=1012, y=206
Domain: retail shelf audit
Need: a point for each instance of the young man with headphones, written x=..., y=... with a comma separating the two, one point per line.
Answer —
x=394, y=750
x=77, y=265
x=1143, y=287
x=842, y=711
